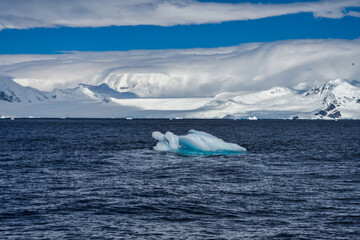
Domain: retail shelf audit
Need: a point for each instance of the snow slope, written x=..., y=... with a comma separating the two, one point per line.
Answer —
x=10, y=91
x=339, y=98
x=335, y=99
x=88, y=92
x=164, y=104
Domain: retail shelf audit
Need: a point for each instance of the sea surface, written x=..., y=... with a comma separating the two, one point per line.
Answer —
x=101, y=179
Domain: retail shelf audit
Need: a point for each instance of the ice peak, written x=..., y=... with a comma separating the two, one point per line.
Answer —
x=334, y=95
x=329, y=87
x=338, y=82
x=279, y=90
x=101, y=92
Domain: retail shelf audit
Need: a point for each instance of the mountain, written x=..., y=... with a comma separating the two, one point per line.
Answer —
x=337, y=96
x=81, y=101
x=336, y=99
x=144, y=84
x=10, y=91
x=105, y=91
x=89, y=92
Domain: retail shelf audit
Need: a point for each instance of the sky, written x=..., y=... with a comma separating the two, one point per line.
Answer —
x=179, y=48
x=49, y=26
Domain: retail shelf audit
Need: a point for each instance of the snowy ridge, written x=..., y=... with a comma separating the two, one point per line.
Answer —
x=89, y=92
x=337, y=99
x=13, y=92
x=337, y=92
x=336, y=95
x=326, y=101
x=144, y=84
x=10, y=91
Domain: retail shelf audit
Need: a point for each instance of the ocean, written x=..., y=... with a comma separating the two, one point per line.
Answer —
x=101, y=179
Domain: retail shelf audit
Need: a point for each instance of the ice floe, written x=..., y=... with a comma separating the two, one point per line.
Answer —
x=195, y=143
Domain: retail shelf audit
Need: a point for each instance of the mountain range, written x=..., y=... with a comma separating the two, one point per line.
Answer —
x=336, y=99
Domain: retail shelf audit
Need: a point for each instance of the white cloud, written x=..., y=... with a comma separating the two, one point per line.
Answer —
x=193, y=72
x=20, y=14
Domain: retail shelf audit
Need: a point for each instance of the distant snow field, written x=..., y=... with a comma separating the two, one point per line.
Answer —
x=163, y=104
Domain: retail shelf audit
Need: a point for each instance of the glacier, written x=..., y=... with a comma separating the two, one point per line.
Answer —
x=194, y=143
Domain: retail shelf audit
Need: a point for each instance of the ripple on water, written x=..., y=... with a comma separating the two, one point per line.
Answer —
x=102, y=179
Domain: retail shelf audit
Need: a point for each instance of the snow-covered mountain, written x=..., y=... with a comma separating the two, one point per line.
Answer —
x=89, y=92
x=337, y=99
x=145, y=84
x=10, y=91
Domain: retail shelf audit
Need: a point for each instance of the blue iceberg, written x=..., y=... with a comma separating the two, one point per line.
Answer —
x=195, y=143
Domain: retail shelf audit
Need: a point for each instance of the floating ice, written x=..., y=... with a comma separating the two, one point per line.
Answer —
x=196, y=142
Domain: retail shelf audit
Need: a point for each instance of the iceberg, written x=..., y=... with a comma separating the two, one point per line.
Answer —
x=195, y=143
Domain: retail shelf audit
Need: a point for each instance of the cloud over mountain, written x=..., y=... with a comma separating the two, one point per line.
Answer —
x=192, y=72
x=19, y=14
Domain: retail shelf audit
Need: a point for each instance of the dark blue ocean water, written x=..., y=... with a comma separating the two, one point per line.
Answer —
x=100, y=179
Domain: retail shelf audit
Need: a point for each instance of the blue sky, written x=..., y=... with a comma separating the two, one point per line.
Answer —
x=19, y=36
